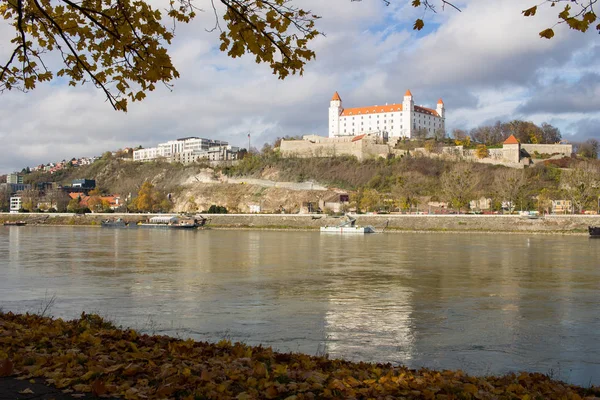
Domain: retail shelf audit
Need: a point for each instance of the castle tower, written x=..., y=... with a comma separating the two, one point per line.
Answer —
x=442, y=113
x=511, y=149
x=335, y=109
x=440, y=108
x=408, y=108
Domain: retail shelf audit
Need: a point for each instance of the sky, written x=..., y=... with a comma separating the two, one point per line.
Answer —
x=486, y=62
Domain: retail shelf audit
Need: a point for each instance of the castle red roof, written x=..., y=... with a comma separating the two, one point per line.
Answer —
x=511, y=140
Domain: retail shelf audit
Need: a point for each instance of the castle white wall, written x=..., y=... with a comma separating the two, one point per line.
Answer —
x=398, y=120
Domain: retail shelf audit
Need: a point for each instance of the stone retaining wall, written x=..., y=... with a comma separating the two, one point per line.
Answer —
x=491, y=223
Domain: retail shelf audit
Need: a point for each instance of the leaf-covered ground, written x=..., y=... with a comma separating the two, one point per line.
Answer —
x=91, y=355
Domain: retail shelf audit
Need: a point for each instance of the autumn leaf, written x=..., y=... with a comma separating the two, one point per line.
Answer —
x=419, y=24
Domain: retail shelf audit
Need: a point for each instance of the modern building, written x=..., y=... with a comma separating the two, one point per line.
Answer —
x=14, y=178
x=14, y=187
x=15, y=204
x=188, y=150
x=400, y=120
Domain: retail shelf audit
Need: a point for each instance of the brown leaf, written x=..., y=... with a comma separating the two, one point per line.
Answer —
x=6, y=367
x=98, y=387
x=26, y=391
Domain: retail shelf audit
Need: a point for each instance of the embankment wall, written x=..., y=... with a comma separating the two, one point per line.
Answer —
x=476, y=223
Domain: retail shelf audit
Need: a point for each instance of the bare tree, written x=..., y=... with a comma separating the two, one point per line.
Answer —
x=458, y=184
x=581, y=184
x=509, y=184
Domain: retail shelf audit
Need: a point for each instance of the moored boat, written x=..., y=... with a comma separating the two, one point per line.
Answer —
x=348, y=227
x=115, y=223
x=171, y=222
x=594, y=231
x=15, y=223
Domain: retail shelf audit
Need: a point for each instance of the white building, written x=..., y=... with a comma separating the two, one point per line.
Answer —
x=15, y=204
x=188, y=150
x=392, y=120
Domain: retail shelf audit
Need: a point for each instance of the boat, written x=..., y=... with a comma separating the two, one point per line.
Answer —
x=115, y=223
x=594, y=231
x=172, y=222
x=348, y=227
x=15, y=223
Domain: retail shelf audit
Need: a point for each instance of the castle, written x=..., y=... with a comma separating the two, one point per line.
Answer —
x=367, y=132
x=390, y=120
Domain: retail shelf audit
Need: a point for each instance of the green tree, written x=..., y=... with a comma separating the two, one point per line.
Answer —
x=371, y=200
x=73, y=205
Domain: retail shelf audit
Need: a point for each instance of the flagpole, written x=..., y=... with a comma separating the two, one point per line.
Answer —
x=248, y=142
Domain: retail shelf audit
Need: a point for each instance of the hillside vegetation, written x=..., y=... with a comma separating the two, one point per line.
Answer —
x=376, y=184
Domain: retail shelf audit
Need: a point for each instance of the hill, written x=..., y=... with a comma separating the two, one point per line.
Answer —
x=374, y=184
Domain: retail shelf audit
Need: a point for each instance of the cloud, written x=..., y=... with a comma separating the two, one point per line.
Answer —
x=561, y=96
x=487, y=63
x=580, y=131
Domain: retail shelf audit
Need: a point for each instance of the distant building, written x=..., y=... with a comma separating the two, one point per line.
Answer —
x=13, y=188
x=188, y=150
x=14, y=178
x=562, y=206
x=84, y=183
x=15, y=204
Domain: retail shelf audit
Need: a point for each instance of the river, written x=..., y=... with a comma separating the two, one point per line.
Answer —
x=483, y=303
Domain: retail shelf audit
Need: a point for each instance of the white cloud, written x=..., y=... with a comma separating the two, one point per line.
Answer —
x=486, y=62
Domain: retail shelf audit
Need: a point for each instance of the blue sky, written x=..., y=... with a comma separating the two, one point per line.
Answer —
x=487, y=63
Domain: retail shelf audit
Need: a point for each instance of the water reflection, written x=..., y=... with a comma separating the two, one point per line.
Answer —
x=483, y=303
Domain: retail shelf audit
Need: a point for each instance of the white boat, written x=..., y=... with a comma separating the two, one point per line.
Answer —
x=347, y=227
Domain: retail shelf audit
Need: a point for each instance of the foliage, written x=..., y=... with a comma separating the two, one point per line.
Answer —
x=482, y=151
x=150, y=199
x=121, y=45
x=524, y=131
x=91, y=355
x=215, y=209
x=578, y=15
x=588, y=149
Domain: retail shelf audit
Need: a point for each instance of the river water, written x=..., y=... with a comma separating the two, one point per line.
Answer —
x=483, y=303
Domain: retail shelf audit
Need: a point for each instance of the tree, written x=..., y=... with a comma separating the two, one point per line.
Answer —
x=120, y=45
x=406, y=191
x=588, y=149
x=482, y=151
x=371, y=200
x=509, y=184
x=458, y=184
x=550, y=134
x=4, y=199
x=581, y=184
x=74, y=205
x=150, y=199
x=420, y=133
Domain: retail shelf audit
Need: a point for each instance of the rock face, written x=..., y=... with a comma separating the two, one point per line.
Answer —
x=240, y=197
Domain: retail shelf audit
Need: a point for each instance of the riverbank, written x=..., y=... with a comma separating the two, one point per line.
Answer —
x=561, y=224
x=91, y=355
